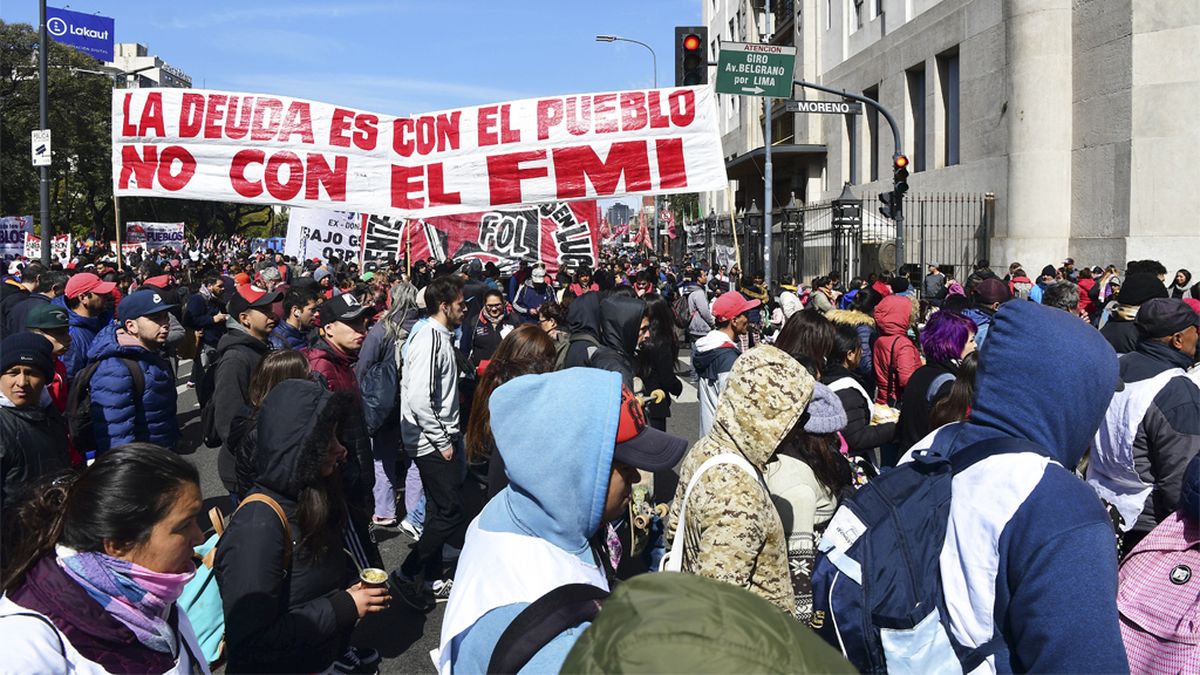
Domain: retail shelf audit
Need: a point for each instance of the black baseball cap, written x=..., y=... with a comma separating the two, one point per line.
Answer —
x=344, y=308
x=1160, y=317
x=640, y=445
x=249, y=297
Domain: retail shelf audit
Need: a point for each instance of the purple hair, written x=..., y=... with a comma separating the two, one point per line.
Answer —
x=945, y=335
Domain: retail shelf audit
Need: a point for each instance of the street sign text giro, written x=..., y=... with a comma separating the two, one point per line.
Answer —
x=755, y=69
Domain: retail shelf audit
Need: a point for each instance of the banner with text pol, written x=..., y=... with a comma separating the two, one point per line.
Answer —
x=222, y=146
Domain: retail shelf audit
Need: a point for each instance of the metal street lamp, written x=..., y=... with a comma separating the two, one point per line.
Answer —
x=654, y=66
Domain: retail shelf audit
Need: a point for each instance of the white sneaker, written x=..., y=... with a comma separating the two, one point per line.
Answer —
x=414, y=531
x=440, y=589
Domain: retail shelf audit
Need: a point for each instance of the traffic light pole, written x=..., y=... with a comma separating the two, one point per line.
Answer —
x=768, y=189
x=899, y=142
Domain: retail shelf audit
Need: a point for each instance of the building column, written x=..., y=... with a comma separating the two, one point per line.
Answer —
x=1038, y=118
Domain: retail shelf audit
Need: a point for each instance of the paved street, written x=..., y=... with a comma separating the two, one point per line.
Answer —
x=404, y=638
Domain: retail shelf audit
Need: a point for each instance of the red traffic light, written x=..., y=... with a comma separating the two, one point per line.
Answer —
x=901, y=161
x=691, y=43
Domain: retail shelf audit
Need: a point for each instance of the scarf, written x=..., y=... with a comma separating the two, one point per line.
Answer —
x=139, y=598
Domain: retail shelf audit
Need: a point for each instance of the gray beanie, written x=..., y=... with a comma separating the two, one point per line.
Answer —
x=825, y=412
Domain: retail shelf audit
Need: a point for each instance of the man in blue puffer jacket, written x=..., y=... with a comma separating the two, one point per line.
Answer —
x=88, y=302
x=117, y=416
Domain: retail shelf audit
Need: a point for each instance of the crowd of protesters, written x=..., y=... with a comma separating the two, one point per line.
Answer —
x=526, y=414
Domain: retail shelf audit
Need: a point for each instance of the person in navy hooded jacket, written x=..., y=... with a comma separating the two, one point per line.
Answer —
x=118, y=415
x=1030, y=560
x=540, y=532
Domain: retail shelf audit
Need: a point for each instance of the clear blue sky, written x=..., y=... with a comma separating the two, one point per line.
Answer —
x=400, y=57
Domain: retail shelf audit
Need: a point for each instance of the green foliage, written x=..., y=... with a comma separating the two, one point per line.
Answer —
x=80, y=117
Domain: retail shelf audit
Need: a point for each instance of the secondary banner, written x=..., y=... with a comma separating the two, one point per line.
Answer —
x=556, y=234
x=12, y=235
x=324, y=234
x=60, y=247
x=154, y=235
x=263, y=149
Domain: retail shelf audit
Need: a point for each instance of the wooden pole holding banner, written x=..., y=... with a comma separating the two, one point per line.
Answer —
x=408, y=248
x=117, y=222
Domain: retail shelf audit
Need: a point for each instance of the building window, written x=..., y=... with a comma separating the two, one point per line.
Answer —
x=853, y=151
x=828, y=14
x=732, y=28
x=872, y=117
x=916, y=115
x=948, y=76
x=876, y=8
x=856, y=10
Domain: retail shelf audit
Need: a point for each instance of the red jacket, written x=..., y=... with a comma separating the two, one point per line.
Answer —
x=334, y=365
x=895, y=356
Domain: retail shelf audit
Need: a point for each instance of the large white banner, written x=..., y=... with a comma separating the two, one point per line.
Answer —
x=12, y=235
x=222, y=146
x=320, y=233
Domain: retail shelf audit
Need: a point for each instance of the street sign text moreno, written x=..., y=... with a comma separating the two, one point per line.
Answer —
x=828, y=107
x=755, y=69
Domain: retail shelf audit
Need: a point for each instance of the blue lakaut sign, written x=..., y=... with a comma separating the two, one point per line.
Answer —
x=87, y=33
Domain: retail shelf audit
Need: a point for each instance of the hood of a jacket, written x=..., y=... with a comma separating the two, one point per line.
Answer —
x=893, y=314
x=765, y=396
x=1029, y=345
x=240, y=337
x=563, y=506
x=324, y=351
x=108, y=344
x=95, y=324
x=620, y=321
x=583, y=315
x=850, y=317
x=686, y=623
x=295, y=423
x=709, y=348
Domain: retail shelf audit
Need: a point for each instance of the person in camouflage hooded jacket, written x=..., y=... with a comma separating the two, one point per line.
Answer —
x=733, y=532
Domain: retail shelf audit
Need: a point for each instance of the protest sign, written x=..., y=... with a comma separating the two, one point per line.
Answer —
x=319, y=233
x=555, y=234
x=135, y=233
x=60, y=247
x=164, y=234
x=12, y=235
x=382, y=241
x=263, y=149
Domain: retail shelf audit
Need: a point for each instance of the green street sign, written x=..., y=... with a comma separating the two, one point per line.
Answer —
x=755, y=69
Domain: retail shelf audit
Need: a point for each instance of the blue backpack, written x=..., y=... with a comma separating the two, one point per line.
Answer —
x=877, y=587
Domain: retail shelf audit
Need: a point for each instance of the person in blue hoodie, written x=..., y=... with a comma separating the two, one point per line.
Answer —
x=88, y=302
x=1030, y=559
x=540, y=532
x=118, y=415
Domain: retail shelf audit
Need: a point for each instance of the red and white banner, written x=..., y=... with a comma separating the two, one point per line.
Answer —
x=262, y=149
x=155, y=235
x=60, y=247
x=556, y=235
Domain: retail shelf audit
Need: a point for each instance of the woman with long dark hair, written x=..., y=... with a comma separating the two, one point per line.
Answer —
x=292, y=607
x=657, y=354
x=947, y=339
x=1179, y=288
x=95, y=563
x=526, y=350
x=382, y=342
x=807, y=335
x=235, y=460
x=956, y=406
x=863, y=437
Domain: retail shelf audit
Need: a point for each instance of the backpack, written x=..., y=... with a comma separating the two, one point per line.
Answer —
x=201, y=597
x=877, y=587
x=380, y=387
x=79, y=403
x=543, y=620
x=1158, y=599
x=591, y=351
x=682, y=311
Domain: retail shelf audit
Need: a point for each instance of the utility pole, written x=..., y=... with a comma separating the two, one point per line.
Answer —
x=768, y=169
x=43, y=114
x=899, y=161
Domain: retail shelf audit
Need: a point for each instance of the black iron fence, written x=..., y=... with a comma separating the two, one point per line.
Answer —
x=852, y=237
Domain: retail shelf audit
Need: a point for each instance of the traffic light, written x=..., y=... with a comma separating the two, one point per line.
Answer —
x=891, y=204
x=691, y=62
x=900, y=174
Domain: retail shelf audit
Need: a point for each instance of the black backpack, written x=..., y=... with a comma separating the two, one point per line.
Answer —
x=682, y=310
x=79, y=403
x=380, y=387
x=204, y=394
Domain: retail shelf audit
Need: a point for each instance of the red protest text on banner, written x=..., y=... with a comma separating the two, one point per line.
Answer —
x=151, y=117
x=284, y=174
x=366, y=129
x=409, y=187
x=426, y=134
x=495, y=126
x=263, y=118
x=610, y=113
x=148, y=165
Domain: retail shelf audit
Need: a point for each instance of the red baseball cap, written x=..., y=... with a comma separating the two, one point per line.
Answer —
x=249, y=297
x=640, y=445
x=732, y=304
x=86, y=282
x=161, y=281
